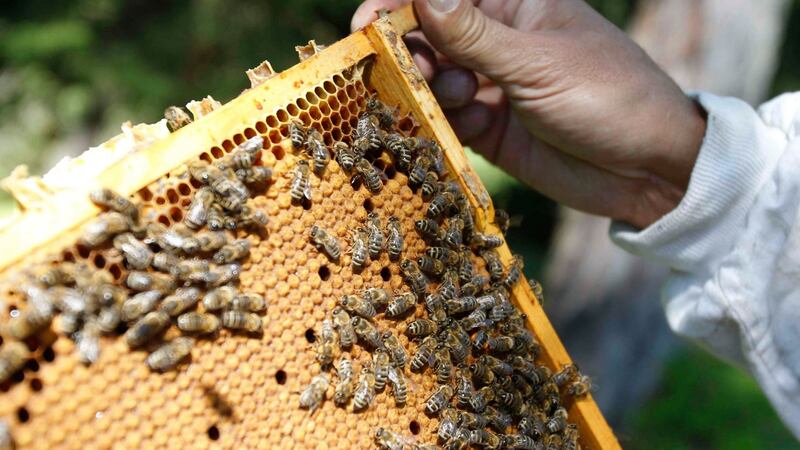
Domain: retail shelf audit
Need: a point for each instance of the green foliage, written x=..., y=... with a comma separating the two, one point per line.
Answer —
x=707, y=404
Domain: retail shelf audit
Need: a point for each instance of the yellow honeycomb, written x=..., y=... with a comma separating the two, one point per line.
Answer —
x=240, y=391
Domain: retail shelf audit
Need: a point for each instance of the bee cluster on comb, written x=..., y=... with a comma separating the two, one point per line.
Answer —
x=491, y=393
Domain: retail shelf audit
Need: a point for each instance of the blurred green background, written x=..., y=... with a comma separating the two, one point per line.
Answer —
x=71, y=71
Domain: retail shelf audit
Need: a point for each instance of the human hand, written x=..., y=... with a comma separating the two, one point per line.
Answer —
x=559, y=97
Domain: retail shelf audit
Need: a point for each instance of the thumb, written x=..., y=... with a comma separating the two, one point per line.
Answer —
x=471, y=39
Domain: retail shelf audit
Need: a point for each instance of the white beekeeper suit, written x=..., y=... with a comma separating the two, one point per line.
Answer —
x=733, y=244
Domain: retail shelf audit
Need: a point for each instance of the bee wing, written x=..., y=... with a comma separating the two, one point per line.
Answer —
x=307, y=191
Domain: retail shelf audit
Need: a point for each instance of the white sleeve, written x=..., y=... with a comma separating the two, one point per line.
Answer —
x=733, y=244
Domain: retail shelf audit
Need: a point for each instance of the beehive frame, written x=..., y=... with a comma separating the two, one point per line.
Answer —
x=54, y=222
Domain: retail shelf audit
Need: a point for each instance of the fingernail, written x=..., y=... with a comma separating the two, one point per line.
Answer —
x=444, y=6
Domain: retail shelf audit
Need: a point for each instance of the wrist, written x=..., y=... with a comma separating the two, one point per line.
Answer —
x=681, y=135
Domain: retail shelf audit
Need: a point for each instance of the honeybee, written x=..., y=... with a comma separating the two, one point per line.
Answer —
x=241, y=320
x=461, y=305
x=183, y=299
x=486, y=439
x=514, y=272
x=249, y=301
x=389, y=440
x=345, y=156
x=139, y=305
x=415, y=279
x=532, y=425
x=501, y=311
x=401, y=304
x=172, y=240
x=439, y=399
x=367, y=332
x=481, y=373
x=219, y=298
x=111, y=200
x=252, y=145
x=344, y=390
x=485, y=241
x=13, y=356
x=300, y=187
x=444, y=254
x=210, y=241
x=216, y=217
x=458, y=349
x=325, y=242
x=343, y=325
x=565, y=375
x=365, y=389
x=109, y=318
x=236, y=160
x=416, y=176
x=443, y=203
x=430, y=266
x=384, y=113
x=558, y=421
x=372, y=177
x=376, y=236
x=249, y=217
x=580, y=386
x=399, y=385
x=441, y=364
x=500, y=344
x=88, y=342
x=231, y=252
x=58, y=274
x=255, y=175
x=326, y=343
x=467, y=217
x=379, y=297
x=502, y=220
x=493, y=264
x=170, y=354
x=318, y=151
x=512, y=400
x=421, y=327
x=71, y=300
x=394, y=238
x=430, y=185
x=498, y=420
x=145, y=281
x=190, y=269
x=232, y=192
x=423, y=353
x=359, y=248
x=356, y=305
x=396, y=144
x=105, y=226
x=367, y=134
x=197, y=214
x=222, y=274
x=381, y=361
x=297, y=134
x=454, y=235
x=28, y=323
x=195, y=322
x=137, y=254
x=536, y=287
x=177, y=118
x=146, y=328
x=429, y=230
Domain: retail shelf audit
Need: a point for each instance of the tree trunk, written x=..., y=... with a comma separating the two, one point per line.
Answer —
x=603, y=301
